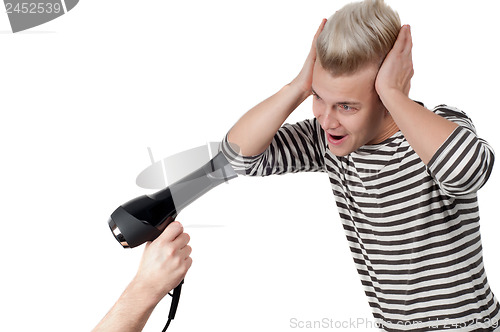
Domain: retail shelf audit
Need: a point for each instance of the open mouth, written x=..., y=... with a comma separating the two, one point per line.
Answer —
x=336, y=139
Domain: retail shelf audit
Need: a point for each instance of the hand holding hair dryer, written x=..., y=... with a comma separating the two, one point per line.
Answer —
x=143, y=218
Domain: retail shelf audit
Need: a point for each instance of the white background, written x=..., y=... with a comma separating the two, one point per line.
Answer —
x=83, y=96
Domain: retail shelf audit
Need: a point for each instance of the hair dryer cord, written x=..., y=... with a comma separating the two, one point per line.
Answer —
x=173, y=305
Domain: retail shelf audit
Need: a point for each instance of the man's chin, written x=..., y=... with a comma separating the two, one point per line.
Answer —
x=338, y=152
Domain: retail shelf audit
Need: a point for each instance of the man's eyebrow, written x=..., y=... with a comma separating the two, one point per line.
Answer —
x=353, y=103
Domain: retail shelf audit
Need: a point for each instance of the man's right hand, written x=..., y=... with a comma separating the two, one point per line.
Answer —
x=254, y=131
x=304, y=79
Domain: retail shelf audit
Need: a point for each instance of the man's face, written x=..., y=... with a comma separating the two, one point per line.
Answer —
x=349, y=109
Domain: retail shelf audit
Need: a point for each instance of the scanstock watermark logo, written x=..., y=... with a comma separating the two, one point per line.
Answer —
x=25, y=14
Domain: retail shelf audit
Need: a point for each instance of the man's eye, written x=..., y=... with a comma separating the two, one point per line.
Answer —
x=346, y=108
x=316, y=96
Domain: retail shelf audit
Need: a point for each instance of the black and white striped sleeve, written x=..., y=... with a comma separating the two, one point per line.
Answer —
x=295, y=148
x=464, y=162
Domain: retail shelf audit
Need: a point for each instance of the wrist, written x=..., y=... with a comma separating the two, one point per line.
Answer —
x=142, y=294
x=392, y=96
x=302, y=91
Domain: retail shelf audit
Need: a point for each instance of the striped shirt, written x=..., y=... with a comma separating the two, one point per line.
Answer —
x=413, y=229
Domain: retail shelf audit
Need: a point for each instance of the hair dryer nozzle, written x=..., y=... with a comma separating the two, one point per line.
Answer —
x=129, y=230
x=117, y=233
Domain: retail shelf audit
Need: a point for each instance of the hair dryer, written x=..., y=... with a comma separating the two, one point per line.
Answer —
x=143, y=218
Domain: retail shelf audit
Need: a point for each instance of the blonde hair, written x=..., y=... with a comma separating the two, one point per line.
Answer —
x=359, y=34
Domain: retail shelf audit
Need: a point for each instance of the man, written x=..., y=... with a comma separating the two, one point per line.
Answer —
x=405, y=178
x=164, y=264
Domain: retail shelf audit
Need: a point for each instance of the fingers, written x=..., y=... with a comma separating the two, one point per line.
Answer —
x=185, y=252
x=173, y=230
x=321, y=26
x=175, y=238
x=403, y=43
x=181, y=241
x=318, y=32
x=409, y=41
x=311, y=58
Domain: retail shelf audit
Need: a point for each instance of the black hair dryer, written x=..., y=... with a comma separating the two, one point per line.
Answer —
x=143, y=218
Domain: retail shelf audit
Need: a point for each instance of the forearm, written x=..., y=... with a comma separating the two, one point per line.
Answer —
x=130, y=313
x=424, y=130
x=255, y=130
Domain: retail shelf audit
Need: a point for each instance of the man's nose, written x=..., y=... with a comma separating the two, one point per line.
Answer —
x=329, y=120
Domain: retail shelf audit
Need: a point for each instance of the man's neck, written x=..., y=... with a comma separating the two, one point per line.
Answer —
x=389, y=128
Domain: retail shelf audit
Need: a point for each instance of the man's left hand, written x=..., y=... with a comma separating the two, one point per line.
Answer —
x=397, y=69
